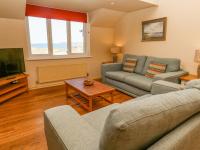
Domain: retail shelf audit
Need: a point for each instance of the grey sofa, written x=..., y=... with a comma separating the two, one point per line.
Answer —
x=136, y=84
x=169, y=121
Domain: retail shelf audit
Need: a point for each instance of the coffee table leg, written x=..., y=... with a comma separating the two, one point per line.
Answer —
x=90, y=103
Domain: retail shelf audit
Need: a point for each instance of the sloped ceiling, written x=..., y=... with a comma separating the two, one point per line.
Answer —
x=105, y=17
x=91, y=5
x=104, y=13
x=153, y=2
x=12, y=9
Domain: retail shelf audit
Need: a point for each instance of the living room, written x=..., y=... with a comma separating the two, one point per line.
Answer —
x=107, y=52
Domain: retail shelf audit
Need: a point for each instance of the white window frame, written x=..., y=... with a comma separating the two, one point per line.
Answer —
x=86, y=53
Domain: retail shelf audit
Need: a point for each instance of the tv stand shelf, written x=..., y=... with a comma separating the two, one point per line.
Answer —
x=12, y=86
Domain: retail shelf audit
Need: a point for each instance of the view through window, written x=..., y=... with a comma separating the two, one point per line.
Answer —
x=56, y=37
x=59, y=37
x=77, y=37
x=38, y=35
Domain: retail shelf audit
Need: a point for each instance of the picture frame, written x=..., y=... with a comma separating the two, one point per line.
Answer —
x=154, y=30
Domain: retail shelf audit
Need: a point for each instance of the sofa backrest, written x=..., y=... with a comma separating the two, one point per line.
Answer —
x=173, y=64
x=139, y=124
x=184, y=137
x=140, y=62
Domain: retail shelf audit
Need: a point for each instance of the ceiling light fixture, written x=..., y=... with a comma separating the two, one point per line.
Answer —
x=112, y=3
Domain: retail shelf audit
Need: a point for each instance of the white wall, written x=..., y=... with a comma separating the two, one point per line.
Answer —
x=183, y=31
x=13, y=35
x=183, y=37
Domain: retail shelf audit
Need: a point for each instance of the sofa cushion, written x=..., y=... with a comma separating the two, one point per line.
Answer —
x=97, y=118
x=185, y=137
x=130, y=65
x=173, y=64
x=139, y=81
x=139, y=124
x=192, y=84
x=126, y=88
x=140, y=62
x=155, y=69
x=117, y=75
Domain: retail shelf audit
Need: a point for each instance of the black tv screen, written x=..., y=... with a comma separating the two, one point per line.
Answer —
x=11, y=61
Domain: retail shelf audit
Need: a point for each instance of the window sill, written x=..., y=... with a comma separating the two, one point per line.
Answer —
x=56, y=57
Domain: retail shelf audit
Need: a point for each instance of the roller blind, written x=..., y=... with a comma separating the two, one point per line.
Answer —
x=52, y=13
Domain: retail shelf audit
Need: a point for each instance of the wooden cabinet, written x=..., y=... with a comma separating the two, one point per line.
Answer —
x=13, y=86
x=188, y=77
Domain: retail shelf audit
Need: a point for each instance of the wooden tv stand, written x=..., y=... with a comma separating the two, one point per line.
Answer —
x=12, y=86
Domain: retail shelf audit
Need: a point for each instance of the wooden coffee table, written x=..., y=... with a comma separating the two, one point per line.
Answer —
x=87, y=92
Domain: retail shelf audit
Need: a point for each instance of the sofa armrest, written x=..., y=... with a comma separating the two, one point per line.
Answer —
x=170, y=76
x=161, y=87
x=110, y=67
x=66, y=130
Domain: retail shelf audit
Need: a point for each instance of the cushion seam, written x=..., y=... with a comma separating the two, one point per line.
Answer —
x=167, y=86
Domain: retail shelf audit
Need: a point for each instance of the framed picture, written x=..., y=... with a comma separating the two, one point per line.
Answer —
x=154, y=30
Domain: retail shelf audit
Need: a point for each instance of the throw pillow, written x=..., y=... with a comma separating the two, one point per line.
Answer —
x=130, y=65
x=154, y=69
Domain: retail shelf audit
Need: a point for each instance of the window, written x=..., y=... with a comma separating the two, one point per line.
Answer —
x=38, y=35
x=77, y=37
x=51, y=38
x=59, y=37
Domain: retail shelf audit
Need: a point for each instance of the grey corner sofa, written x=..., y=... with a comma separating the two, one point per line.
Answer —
x=169, y=121
x=137, y=84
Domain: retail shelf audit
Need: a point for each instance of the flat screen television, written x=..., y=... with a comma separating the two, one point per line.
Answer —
x=11, y=61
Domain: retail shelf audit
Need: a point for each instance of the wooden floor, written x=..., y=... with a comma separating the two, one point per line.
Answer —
x=21, y=119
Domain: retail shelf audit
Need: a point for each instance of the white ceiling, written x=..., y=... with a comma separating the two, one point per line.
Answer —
x=97, y=17
x=91, y=5
x=104, y=13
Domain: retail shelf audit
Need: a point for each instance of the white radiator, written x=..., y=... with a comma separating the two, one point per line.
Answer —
x=60, y=72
